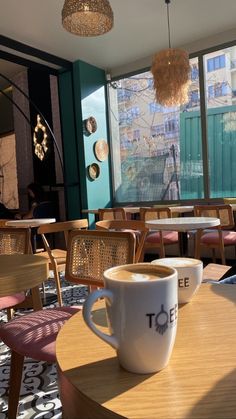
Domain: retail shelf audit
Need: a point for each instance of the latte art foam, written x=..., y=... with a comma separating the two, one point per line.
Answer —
x=129, y=275
x=177, y=262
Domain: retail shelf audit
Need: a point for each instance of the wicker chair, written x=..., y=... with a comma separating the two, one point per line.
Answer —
x=218, y=237
x=112, y=214
x=12, y=241
x=91, y=252
x=57, y=257
x=158, y=239
x=136, y=227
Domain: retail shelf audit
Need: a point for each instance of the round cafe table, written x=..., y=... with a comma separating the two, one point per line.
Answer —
x=183, y=225
x=23, y=272
x=199, y=381
x=30, y=222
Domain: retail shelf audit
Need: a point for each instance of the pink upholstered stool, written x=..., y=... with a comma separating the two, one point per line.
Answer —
x=11, y=300
x=8, y=303
x=169, y=237
x=33, y=335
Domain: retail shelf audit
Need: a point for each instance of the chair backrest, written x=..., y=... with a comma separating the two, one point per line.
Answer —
x=229, y=200
x=15, y=241
x=91, y=252
x=154, y=213
x=136, y=226
x=222, y=211
x=112, y=214
x=61, y=227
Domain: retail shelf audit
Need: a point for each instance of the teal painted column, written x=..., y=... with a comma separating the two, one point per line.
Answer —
x=82, y=95
x=70, y=146
x=89, y=82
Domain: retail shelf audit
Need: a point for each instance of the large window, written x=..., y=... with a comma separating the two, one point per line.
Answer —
x=146, y=143
x=158, y=151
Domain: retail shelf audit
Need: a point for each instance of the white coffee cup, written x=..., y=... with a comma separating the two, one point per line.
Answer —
x=142, y=306
x=189, y=275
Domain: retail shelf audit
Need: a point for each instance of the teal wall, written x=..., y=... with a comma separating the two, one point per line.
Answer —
x=70, y=146
x=82, y=94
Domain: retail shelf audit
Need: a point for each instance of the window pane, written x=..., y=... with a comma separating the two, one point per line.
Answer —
x=221, y=122
x=157, y=151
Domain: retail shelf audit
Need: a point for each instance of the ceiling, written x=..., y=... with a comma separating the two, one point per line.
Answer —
x=140, y=30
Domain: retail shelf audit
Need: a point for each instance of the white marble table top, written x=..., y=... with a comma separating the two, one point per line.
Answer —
x=31, y=222
x=183, y=223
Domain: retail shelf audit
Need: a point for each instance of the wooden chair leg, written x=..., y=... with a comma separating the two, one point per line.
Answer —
x=10, y=313
x=197, y=244
x=162, y=252
x=162, y=246
x=141, y=259
x=17, y=363
x=221, y=247
x=58, y=286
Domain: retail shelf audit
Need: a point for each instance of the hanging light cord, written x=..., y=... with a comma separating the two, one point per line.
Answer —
x=168, y=20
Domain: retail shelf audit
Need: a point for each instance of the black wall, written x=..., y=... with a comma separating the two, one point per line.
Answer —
x=39, y=92
x=6, y=114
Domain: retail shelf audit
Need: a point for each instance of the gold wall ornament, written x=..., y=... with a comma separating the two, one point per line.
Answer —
x=171, y=71
x=87, y=17
x=89, y=125
x=40, y=140
x=101, y=150
x=93, y=171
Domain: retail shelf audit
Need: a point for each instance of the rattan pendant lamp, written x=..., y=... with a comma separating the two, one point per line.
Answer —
x=170, y=69
x=87, y=17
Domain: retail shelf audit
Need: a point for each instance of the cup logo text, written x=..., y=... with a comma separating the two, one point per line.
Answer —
x=163, y=319
x=183, y=282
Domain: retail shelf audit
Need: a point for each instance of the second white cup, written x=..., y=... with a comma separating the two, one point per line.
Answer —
x=189, y=275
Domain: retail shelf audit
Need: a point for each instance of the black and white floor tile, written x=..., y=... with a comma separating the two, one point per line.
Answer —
x=39, y=391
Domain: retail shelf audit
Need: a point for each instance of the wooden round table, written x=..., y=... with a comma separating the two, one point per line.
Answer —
x=199, y=381
x=23, y=272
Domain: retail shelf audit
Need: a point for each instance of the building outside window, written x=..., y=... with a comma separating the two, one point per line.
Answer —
x=217, y=90
x=216, y=63
x=194, y=72
x=194, y=98
x=158, y=151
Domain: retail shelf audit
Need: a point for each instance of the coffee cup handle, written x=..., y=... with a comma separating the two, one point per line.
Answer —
x=87, y=308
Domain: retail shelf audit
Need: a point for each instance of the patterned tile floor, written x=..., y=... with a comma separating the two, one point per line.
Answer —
x=39, y=391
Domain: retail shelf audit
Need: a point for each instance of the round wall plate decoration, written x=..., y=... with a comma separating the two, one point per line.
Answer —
x=90, y=125
x=101, y=150
x=94, y=171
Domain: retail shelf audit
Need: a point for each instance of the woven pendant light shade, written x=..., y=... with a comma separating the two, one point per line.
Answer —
x=170, y=69
x=87, y=17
